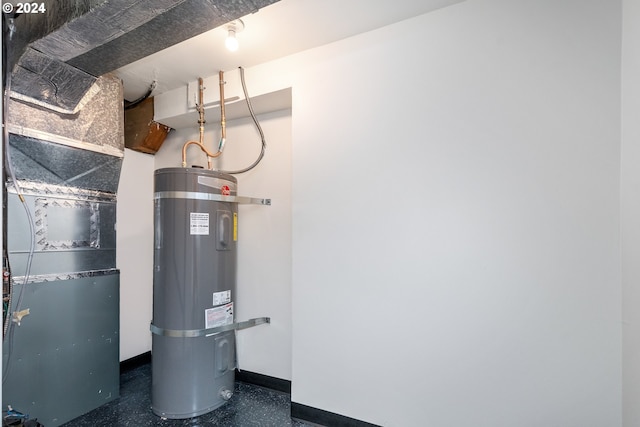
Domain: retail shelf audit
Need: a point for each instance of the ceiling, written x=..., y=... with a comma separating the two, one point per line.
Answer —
x=278, y=30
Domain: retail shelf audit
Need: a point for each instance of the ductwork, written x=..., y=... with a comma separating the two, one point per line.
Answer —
x=58, y=55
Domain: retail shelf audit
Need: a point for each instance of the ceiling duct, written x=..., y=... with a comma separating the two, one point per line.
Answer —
x=59, y=54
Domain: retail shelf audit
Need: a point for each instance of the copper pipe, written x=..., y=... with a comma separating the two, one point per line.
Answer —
x=200, y=108
x=203, y=148
x=201, y=122
x=223, y=122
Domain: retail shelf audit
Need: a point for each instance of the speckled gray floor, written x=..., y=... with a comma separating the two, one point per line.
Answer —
x=250, y=406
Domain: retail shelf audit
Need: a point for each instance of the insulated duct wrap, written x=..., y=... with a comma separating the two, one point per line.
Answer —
x=44, y=81
x=75, y=41
x=98, y=127
x=43, y=161
x=83, y=150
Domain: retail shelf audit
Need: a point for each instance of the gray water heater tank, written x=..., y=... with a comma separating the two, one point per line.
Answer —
x=194, y=286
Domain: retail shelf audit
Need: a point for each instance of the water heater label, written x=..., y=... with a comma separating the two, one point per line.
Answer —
x=199, y=223
x=218, y=316
x=221, y=297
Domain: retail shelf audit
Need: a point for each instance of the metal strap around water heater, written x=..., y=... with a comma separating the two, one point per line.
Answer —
x=210, y=196
x=193, y=333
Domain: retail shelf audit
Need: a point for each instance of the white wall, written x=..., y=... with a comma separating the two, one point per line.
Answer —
x=264, y=232
x=455, y=219
x=630, y=215
x=264, y=242
x=134, y=255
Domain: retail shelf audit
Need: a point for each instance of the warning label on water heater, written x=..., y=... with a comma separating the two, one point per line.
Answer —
x=218, y=316
x=199, y=223
x=221, y=297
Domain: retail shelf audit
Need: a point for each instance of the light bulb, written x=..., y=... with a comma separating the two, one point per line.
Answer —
x=231, y=42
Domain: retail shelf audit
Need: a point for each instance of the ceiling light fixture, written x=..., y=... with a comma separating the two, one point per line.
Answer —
x=233, y=28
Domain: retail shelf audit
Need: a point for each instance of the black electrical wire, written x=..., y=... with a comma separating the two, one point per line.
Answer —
x=258, y=127
x=130, y=104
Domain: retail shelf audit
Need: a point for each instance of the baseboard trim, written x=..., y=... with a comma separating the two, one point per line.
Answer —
x=262, y=380
x=135, y=362
x=324, y=418
x=254, y=378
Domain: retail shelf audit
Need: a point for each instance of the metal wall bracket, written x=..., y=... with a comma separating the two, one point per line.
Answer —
x=193, y=333
x=209, y=196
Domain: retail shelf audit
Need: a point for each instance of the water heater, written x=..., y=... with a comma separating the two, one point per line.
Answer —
x=194, y=291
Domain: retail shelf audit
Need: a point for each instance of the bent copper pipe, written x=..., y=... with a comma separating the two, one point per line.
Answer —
x=203, y=148
x=201, y=122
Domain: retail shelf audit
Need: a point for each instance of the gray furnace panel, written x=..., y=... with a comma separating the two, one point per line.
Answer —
x=64, y=355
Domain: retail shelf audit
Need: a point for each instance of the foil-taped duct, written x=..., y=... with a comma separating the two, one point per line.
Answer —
x=83, y=150
x=57, y=55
